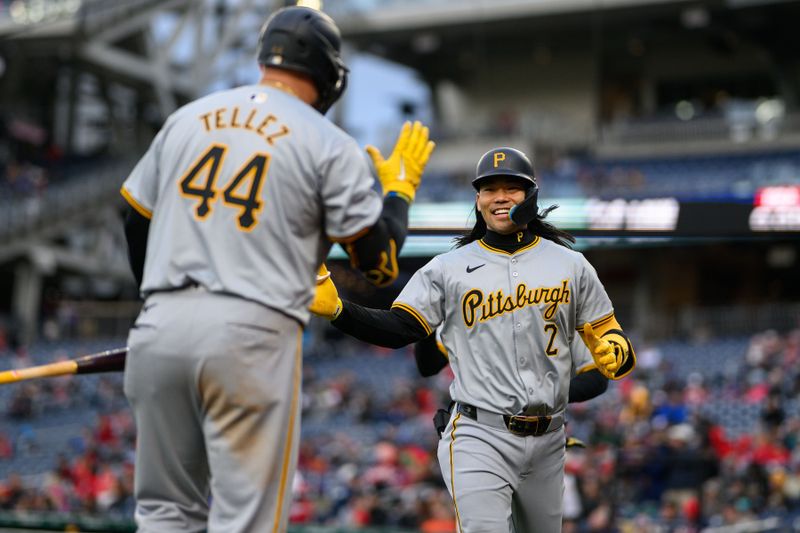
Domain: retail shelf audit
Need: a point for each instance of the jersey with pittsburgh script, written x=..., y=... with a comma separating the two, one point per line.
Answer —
x=246, y=189
x=507, y=321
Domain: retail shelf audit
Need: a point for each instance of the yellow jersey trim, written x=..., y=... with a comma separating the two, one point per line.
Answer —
x=285, y=488
x=453, y=473
x=499, y=251
x=142, y=210
x=442, y=349
x=599, y=322
x=416, y=314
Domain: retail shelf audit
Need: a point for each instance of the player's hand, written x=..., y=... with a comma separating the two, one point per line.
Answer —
x=326, y=298
x=603, y=352
x=402, y=171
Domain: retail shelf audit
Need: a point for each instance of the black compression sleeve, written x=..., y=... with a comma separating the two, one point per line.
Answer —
x=430, y=359
x=395, y=216
x=372, y=253
x=391, y=328
x=587, y=385
x=136, y=229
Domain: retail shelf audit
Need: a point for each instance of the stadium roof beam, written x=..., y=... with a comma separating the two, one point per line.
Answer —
x=558, y=71
x=117, y=39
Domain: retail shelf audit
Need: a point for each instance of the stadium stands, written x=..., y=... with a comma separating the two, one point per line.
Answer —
x=677, y=444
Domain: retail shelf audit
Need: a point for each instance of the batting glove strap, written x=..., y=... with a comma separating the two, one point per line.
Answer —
x=620, y=359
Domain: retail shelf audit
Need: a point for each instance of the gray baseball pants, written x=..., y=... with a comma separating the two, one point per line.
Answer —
x=214, y=383
x=499, y=480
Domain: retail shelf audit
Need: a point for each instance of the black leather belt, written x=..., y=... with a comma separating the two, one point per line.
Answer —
x=523, y=425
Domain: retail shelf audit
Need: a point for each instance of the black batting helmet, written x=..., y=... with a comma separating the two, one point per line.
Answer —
x=307, y=41
x=504, y=161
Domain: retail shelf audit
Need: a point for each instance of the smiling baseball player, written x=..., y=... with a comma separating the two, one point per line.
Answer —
x=510, y=299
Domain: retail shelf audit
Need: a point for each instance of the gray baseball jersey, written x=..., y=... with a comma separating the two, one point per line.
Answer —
x=508, y=321
x=225, y=203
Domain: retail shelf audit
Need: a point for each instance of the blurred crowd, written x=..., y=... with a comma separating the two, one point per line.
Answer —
x=25, y=157
x=81, y=428
x=655, y=461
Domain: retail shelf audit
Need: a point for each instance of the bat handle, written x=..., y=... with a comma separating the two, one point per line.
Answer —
x=107, y=361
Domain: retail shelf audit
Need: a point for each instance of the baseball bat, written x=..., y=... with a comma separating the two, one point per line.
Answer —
x=106, y=361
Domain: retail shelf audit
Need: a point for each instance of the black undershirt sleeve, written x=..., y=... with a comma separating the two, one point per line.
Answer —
x=390, y=328
x=587, y=385
x=430, y=359
x=365, y=252
x=136, y=229
x=395, y=216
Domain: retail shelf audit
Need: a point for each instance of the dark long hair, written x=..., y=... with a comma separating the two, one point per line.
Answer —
x=537, y=226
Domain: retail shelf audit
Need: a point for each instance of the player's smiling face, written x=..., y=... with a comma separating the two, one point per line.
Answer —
x=496, y=196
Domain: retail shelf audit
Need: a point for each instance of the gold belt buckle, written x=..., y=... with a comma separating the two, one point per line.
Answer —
x=528, y=425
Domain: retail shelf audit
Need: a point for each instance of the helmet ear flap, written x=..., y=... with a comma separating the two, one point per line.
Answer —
x=334, y=90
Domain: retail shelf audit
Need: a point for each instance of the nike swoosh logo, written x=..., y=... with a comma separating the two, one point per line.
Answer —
x=471, y=270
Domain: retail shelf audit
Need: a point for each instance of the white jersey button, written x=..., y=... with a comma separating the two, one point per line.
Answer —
x=514, y=274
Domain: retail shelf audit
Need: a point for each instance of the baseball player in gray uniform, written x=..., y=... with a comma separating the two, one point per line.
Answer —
x=232, y=210
x=509, y=299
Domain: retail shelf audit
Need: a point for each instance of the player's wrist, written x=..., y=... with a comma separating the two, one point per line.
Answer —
x=337, y=309
x=398, y=194
x=401, y=188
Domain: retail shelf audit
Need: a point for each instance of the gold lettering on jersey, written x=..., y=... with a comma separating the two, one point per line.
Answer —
x=234, y=116
x=271, y=138
x=264, y=123
x=475, y=306
x=218, y=118
x=268, y=127
x=248, y=124
x=205, y=118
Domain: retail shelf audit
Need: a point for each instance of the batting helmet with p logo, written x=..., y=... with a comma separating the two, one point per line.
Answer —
x=504, y=161
x=510, y=162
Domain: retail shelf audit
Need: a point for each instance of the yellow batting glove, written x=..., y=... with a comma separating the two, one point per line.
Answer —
x=574, y=442
x=326, y=303
x=402, y=171
x=603, y=352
